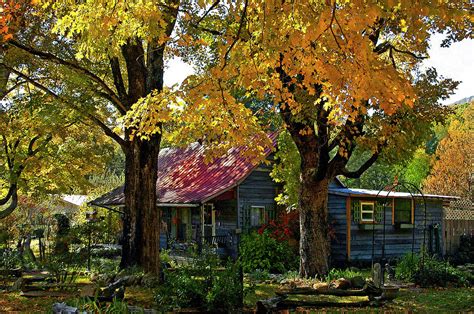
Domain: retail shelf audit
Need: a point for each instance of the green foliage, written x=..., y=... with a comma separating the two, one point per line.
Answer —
x=347, y=273
x=429, y=271
x=93, y=306
x=64, y=268
x=287, y=170
x=259, y=275
x=9, y=259
x=261, y=251
x=5, y=236
x=203, y=283
x=407, y=266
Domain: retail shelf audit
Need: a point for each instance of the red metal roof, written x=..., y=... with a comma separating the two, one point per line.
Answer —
x=184, y=177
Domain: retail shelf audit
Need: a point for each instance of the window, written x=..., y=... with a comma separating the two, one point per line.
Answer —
x=257, y=216
x=367, y=211
x=402, y=211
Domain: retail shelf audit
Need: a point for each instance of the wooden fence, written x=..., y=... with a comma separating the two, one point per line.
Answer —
x=458, y=220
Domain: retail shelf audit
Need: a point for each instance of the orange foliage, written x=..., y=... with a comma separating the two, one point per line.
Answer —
x=453, y=168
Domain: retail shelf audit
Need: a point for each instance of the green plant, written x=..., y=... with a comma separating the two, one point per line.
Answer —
x=93, y=306
x=225, y=292
x=9, y=259
x=261, y=251
x=429, y=271
x=202, y=283
x=407, y=267
x=259, y=275
x=335, y=273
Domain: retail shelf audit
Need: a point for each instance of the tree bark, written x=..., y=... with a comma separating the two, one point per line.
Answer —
x=141, y=233
x=314, y=239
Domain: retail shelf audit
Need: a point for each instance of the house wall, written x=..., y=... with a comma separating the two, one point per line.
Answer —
x=338, y=227
x=226, y=216
x=258, y=189
x=397, y=241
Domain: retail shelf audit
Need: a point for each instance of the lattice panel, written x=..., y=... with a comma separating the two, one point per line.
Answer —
x=454, y=214
x=461, y=204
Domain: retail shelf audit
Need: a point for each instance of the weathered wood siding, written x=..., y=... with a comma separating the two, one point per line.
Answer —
x=258, y=189
x=453, y=230
x=226, y=216
x=337, y=221
x=397, y=241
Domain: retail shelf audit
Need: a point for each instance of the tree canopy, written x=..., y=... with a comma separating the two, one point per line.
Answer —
x=452, y=172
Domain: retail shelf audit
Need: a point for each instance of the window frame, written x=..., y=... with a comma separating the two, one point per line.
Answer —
x=410, y=210
x=262, y=219
x=362, y=211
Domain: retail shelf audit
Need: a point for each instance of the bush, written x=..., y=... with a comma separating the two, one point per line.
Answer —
x=9, y=259
x=261, y=251
x=407, y=267
x=203, y=284
x=430, y=272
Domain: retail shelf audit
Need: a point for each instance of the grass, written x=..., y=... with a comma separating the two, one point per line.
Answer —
x=412, y=300
x=13, y=302
x=436, y=300
x=418, y=300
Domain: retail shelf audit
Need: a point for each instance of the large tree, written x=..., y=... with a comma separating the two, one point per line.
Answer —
x=43, y=150
x=342, y=74
x=453, y=166
x=109, y=60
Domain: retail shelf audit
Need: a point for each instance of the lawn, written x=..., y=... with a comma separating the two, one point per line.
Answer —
x=416, y=300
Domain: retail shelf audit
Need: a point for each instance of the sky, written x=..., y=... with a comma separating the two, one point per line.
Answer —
x=455, y=62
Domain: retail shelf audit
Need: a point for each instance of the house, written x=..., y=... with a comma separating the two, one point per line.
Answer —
x=213, y=202
x=371, y=224
x=217, y=201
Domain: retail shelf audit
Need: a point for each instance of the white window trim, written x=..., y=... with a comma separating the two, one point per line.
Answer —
x=362, y=211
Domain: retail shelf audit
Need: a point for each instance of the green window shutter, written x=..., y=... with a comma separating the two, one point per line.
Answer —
x=378, y=215
x=246, y=218
x=355, y=205
x=270, y=213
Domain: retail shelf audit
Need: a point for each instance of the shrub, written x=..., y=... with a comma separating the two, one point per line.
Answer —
x=407, y=267
x=284, y=228
x=203, y=283
x=430, y=272
x=261, y=251
x=9, y=259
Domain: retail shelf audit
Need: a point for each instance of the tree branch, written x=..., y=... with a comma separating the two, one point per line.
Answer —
x=10, y=192
x=71, y=65
x=7, y=152
x=207, y=12
x=8, y=91
x=237, y=37
x=93, y=118
x=118, y=79
x=13, y=204
x=356, y=174
x=31, y=151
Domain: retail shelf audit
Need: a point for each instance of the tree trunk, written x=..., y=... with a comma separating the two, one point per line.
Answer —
x=141, y=228
x=314, y=239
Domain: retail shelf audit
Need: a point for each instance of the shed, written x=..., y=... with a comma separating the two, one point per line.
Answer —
x=358, y=216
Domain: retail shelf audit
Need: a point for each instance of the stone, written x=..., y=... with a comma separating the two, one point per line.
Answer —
x=357, y=282
x=63, y=308
x=390, y=272
x=321, y=286
x=377, y=275
x=340, y=283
